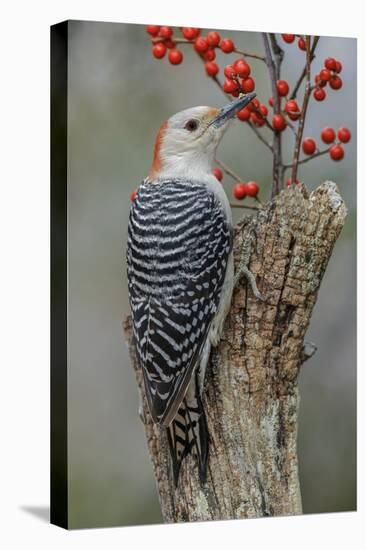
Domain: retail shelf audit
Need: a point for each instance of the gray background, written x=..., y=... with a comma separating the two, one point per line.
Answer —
x=118, y=97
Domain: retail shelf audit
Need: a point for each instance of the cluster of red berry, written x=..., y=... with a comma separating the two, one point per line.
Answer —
x=328, y=136
x=328, y=75
x=290, y=38
x=240, y=189
x=163, y=40
x=238, y=79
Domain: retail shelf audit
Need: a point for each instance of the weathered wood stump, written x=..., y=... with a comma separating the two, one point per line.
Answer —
x=251, y=397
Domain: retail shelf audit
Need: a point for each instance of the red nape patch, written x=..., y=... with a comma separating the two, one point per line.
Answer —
x=156, y=163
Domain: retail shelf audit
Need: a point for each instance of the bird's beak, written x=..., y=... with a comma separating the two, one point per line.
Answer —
x=227, y=112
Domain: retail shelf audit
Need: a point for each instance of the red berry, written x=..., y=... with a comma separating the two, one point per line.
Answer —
x=159, y=50
x=211, y=68
x=330, y=63
x=227, y=45
x=153, y=29
x=230, y=86
x=319, y=94
x=263, y=110
x=133, y=195
x=335, y=82
x=242, y=68
x=328, y=135
x=338, y=67
x=301, y=43
x=257, y=119
x=291, y=106
x=210, y=55
x=213, y=39
x=248, y=85
x=336, y=152
x=292, y=109
x=229, y=71
x=294, y=116
x=190, y=33
x=344, y=135
x=200, y=45
x=279, y=123
x=165, y=32
x=175, y=57
x=270, y=101
x=170, y=44
x=240, y=191
x=244, y=114
x=309, y=146
x=282, y=87
x=289, y=38
x=235, y=93
x=325, y=75
x=319, y=82
x=217, y=172
x=252, y=188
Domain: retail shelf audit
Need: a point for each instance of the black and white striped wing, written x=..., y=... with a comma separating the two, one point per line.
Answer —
x=178, y=246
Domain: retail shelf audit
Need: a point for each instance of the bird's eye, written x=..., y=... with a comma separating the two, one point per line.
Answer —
x=191, y=125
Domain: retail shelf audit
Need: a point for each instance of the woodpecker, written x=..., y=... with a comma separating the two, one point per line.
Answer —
x=180, y=273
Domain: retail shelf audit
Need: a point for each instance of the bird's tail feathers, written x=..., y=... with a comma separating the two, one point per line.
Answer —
x=188, y=433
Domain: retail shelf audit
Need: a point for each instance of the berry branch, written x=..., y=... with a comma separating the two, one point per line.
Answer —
x=249, y=54
x=249, y=206
x=307, y=159
x=239, y=79
x=303, y=74
x=260, y=137
x=300, y=130
x=228, y=170
x=274, y=73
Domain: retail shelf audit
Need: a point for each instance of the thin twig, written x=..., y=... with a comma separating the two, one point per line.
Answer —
x=278, y=58
x=289, y=124
x=305, y=103
x=156, y=39
x=245, y=206
x=303, y=74
x=277, y=50
x=307, y=159
x=228, y=170
x=259, y=136
x=250, y=54
x=274, y=71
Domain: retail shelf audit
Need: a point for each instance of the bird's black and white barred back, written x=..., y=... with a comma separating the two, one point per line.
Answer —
x=179, y=242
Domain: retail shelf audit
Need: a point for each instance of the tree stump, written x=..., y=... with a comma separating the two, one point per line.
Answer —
x=251, y=392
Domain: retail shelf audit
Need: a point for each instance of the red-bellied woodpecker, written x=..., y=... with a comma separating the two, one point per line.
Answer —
x=181, y=273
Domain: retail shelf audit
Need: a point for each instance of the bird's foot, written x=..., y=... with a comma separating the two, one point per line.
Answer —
x=244, y=270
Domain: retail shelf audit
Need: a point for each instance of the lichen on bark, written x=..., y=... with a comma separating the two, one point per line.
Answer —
x=251, y=392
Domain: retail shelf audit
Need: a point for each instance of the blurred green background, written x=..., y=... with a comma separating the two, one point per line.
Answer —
x=118, y=95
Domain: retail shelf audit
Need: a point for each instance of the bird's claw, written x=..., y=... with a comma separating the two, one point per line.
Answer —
x=244, y=270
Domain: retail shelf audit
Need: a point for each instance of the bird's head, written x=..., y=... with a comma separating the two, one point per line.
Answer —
x=186, y=142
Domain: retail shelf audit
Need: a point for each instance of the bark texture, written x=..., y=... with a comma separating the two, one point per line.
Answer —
x=251, y=393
